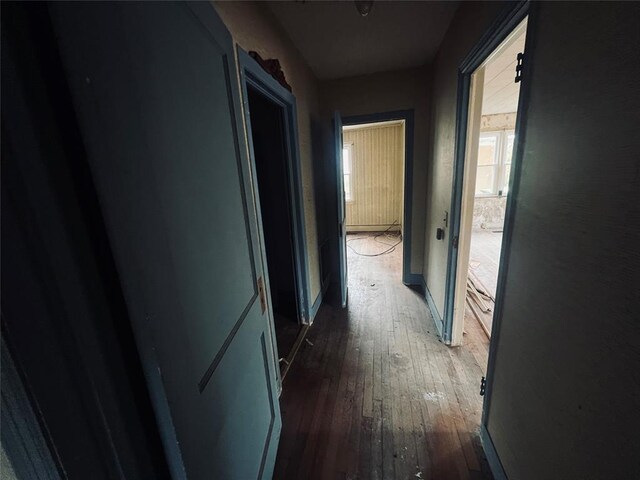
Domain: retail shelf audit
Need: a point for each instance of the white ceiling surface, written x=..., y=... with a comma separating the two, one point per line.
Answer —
x=500, y=90
x=337, y=42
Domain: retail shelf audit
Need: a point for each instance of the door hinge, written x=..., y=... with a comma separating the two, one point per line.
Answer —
x=263, y=297
x=455, y=242
x=520, y=60
x=483, y=386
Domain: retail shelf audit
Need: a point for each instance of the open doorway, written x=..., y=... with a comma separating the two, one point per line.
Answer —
x=494, y=93
x=373, y=179
x=270, y=155
x=375, y=154
x=493, y=166
x=272, y=131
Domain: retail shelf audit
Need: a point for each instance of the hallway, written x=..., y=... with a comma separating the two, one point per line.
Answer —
x=375, y=394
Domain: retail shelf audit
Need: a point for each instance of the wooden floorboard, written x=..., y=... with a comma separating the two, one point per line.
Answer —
x=375, y=394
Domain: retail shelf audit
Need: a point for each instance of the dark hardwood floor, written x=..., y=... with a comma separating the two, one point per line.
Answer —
x=375, y=394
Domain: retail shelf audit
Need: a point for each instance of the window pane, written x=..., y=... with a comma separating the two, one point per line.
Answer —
x=346, y=160
x=484, y=180
x=510, y=139
x=487, y=151
x=347, y=187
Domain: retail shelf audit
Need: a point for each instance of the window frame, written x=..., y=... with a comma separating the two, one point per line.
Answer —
x=499, y=188
x=496, y=166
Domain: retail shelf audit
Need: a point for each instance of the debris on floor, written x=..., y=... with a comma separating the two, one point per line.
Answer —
x=480, y=302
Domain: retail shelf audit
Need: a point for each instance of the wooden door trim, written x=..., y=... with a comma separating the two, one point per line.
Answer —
x=252, y=75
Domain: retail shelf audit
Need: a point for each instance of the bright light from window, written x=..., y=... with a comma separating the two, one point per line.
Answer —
x=487, y=161
x=494, y=162
x=346, y=172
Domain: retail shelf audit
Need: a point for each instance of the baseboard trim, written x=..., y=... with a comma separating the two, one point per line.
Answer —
x=492, y=454
x=294, y=351
x=393, y=227
x=413, y=279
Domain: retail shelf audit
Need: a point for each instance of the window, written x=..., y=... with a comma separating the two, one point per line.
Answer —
x=347, y=151
x=487, y=164
x=494, y=163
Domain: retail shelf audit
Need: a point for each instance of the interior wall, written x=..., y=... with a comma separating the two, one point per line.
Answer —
x=376, y=177
x=565, y=389
x=489, y=212
x=253, y=27
x=469, y=23
x=386, y=92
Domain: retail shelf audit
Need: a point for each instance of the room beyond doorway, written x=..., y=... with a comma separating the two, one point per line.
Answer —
x=377, y=152
x=373, y=174
x=499, y=108
x=490, y=133
x=373, y=163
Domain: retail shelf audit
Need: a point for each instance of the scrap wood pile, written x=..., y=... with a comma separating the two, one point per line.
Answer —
x=480, y=301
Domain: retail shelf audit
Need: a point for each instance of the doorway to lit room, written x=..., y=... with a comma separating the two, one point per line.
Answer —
x=494, y=93
x=375, y=157
x=373, y=177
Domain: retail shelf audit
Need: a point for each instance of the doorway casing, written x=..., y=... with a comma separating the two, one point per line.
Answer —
x=502, y=27
x=407, y=115
x=252, y=75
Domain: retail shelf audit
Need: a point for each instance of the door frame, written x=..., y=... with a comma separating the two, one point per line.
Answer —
x=510, y=17
x=495, y=35
x=254, y=76
x=408, y=278
x=463, y=213
x=343, y=267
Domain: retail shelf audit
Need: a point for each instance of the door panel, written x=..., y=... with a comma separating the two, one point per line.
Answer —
x=342, y=228
x=156, y=93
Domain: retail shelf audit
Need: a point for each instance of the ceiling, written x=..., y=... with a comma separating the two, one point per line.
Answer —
x=337, y=42
x=500, y=93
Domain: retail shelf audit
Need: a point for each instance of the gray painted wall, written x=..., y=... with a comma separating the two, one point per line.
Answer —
x=386, y=92
x=566, y=386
